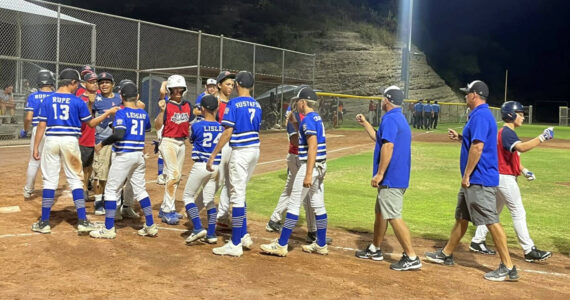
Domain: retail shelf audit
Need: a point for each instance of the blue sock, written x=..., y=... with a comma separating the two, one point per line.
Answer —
x=160, y=166
x=79, y=203
x=237, y=221
x=321, y=229
x=110, y=209
x=192, y=211
x=212, y=221
x=47, y=202
x=287, y=229
x=147, y=210
x=244, y=225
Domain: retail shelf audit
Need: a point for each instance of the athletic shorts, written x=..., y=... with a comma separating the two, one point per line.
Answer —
x=87, y=154
x=390, y=202
x=102, y=163
x=477, y=204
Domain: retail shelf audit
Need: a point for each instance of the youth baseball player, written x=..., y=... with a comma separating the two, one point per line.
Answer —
x=175, y=115
x=391, y=176
x=204, y=136
x=60, y=117
x=46, y=86
x=242, y=120
x=508, y=192
x=128, y=163
x=309, y=179
x=476, y=200
x=210, y=88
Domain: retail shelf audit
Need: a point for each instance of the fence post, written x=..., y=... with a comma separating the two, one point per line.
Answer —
x=150, y=104
x=57, y=41
x=94, y=45
x=253, y=70
x=199, y=61
x=282, y=83
x=530, y=114
x=221, y=51
x=139, y=51
x=19, y=69
x=314, y=67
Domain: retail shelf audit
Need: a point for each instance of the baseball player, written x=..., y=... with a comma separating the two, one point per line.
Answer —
x=391, y=176
x=128, y=163
x=211, y=88
x=175, y=115
x=46, y=86
x=82, y=87
x=102, y=159
x=60, y=117
x=476, y=200
x=204, y=136
x=242, y=120
x=508, y=192
x=309, y=179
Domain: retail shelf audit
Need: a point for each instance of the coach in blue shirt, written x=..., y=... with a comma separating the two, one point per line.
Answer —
x=418, y=109
x=427, y=115
x=480, y=176
x=435, y=109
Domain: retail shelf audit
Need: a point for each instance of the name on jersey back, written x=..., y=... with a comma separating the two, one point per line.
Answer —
x=61, y=100
x=134, y=115
x=247, y=104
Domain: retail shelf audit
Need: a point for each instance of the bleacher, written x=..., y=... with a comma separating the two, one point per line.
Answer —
x=10, y=131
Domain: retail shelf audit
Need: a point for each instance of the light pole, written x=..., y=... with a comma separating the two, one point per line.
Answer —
x=406, y=56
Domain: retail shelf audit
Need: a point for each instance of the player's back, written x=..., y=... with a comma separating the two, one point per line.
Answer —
x=135, y=122
x=33, y=103
x=312, y=124
x=63, y=114
x=204, y=137
x=244, y=115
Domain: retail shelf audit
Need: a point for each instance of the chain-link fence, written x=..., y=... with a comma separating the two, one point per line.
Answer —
x=38, y=35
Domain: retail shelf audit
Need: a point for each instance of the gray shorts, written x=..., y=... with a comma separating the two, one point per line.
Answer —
x=389, y=202
x=477, y=204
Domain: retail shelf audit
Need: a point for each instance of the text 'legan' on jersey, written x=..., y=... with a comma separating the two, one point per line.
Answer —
x=135, y=122
x=33, y=104
x=204, y=136
x=244, y=115
x=63, y=114
x=312, y=124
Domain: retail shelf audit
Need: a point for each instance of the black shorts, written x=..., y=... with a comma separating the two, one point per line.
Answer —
x=87, y=154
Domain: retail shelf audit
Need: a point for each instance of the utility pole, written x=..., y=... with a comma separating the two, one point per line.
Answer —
x=506, y=79
x=406, y=62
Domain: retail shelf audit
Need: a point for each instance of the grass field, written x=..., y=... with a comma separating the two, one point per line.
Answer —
x=430, y=201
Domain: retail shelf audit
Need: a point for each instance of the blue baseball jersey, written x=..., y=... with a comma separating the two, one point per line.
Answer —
x=205, y=136
x=428, y=108
x=394, y=129
x=244, y=115
x=103, y=130
x=482, y=127
x=135, y=122
x=418, y=107
x=63, y=114
x=435, y=108
x=312, y=124
x=33, y=104
x=199, y=100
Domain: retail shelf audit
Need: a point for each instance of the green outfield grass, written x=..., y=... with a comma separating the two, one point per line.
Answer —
x=430, y=201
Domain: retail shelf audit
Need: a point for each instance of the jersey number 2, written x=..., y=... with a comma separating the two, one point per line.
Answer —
x=137, y=124
x=207, y=142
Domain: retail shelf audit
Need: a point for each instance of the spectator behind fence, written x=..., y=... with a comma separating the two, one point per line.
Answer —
x=7, y=103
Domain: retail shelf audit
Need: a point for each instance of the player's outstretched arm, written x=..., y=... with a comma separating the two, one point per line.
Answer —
x=118, y=135
x=94, y=122
x=369, y=129
x=41, y=129
x=546, y=135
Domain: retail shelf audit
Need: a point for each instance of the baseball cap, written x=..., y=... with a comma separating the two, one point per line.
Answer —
x=211, y=81
x=89, y=76
x=394, y=94
x=129, y=90
x=305, y=93
x=478, y=87
x=209, y=102
x=69, y=74
x=245, y=79
x=86, y=68
x=105, y=76
x=223, y=75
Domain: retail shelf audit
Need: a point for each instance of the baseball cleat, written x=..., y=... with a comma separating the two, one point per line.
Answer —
x=170, y=218
x=274, y=249
x=439, y=257
x=229, y=249
x=196, y=235
x=246, y=241
x=99, y=208
x=151, y=230
x=273, y=226
x=314, y=247
x=103, y=233
x=28, y=192
x=406, y=264
x=209, y=239
x=161, y=179
x=84, y=226
x=537, y=255
x=129, y=212
x=481, y=248
x=502, y=274
x=312, y=237
x=41, y=227
x=369, y=254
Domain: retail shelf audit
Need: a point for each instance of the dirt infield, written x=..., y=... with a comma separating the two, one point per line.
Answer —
x=64, y=265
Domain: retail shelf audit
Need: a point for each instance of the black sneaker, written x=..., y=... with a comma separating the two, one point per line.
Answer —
x=439, y=258
x=502, y=274
x=481, y=248
x=406, y=263
x=312, y=237
x=367, y=253
x=273, y=226
x=537, y=255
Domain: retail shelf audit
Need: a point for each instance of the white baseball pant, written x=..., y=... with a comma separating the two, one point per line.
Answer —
x=316, y=192
x=126, y=165
x=58, y=149
x=198, y=178
x=223, y=181
x=241, y=166
x=172, y=151
x=33, y=165
x=508, y=193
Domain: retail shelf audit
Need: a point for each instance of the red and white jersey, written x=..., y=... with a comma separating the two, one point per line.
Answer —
x=221, y=109
x=177, y=117
x=509, y=158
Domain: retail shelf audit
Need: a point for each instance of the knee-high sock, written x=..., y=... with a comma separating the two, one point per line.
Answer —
x=110, y=210
x=147, y=210
x=78, y=199
x=212, y=212
x=192, y=212
x=321, y=229
x=244, y=226
x=238, y=214
x=287, y=229
x=160, y=166
x=47, y=202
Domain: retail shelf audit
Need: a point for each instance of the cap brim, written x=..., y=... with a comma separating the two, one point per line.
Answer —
x=464, y=90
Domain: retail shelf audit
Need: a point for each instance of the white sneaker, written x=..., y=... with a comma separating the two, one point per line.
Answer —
x=229, y=249
x=129, y=212
x=194, y=236
x=314, y=247
x=161, y=179
x=148, y=230
x=28, y=192
x=84, y=226
x=275, y=249
x=246, y=241
x=103, y=233
x=41, y=227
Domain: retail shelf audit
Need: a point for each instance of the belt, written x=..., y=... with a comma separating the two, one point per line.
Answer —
x=176, y=138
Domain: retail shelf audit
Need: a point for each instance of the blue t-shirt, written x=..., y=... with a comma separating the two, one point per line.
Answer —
x=482, y=127
x=418, y=107
x=205, y=136
x=435, y=108
x=135, y=122
x=427, y=108
x=244, y=115
x=33, y=104
x=63, y=114
x=312, y=124
x=394, y=129
x=103, y=130
x=199, y=100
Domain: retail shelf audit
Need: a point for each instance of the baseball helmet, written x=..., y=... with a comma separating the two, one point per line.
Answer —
x=176, y=81
x=122, y=83
x=45, y=77
x=510, y=109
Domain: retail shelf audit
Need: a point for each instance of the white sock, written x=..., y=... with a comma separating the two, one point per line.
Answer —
x=372, y=248
x=99, y=197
